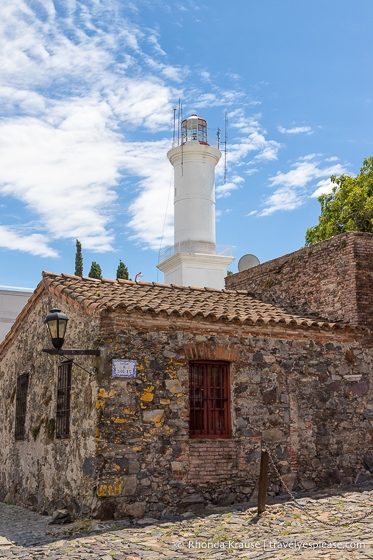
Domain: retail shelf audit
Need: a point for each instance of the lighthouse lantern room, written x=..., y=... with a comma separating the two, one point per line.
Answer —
x=194, y=128
x=193, y=259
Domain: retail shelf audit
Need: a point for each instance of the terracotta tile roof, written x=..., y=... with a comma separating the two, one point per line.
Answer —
x=95, y=296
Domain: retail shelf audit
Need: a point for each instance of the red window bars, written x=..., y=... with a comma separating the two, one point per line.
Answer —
x=209, y=400
x=63, y=400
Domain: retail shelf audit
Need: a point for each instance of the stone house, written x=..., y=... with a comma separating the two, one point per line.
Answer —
x=210, y=375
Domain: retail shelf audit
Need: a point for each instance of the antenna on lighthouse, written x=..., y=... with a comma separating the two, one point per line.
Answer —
x=178, y=124
x=182, y=141
x=225, y=143
x=173, y=138
x=225, y=146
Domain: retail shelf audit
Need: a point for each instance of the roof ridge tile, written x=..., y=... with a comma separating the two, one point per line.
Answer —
x=46, y=273
x=179, y=286
x=65, y=275
x=90, y=279
x=124, y=281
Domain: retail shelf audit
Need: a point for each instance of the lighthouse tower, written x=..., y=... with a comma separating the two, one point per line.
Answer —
x=193, y=259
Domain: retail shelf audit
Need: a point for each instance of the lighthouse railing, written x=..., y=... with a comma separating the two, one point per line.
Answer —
x=195, y=247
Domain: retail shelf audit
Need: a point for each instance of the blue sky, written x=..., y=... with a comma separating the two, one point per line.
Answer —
x=87, y=91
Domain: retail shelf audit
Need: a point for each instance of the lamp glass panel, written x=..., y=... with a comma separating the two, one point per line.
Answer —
x=62, y=328
x=53, y=328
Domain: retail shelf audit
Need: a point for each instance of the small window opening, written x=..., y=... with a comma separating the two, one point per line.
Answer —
x=209, y=400
x=63, y=401
x=21, y=405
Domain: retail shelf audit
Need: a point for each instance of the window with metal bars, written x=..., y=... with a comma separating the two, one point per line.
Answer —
x=21, y=405
x=63, y=400
x=209, y=400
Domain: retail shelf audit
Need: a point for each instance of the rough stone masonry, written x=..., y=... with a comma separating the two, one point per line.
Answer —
x=300, y=386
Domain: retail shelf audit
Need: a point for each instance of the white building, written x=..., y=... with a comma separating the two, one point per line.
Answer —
x=193, y=260
x=12, y=301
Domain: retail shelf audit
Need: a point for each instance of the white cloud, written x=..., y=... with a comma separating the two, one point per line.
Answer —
x=250, y=140
x=251, y=171
x=75, y=87
x=282, y=199
x=149, y=210
x=295, y=130
x=217, y=98
x=293, y=186
x=68, y=170
x=68, y=101
x=233, y=76
x=305, y=171
x=205, y=75
x=324, y=187
x=222, y=191
x=35, y=243
x=153, y=40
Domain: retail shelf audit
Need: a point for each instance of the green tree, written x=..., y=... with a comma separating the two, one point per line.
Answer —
x=122, y=271
x=78, y=259
x=95, y=271
x=349, y=207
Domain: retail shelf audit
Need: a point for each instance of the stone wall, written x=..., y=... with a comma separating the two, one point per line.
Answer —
x=332, y=280
x=306, y=394
x=41, y=471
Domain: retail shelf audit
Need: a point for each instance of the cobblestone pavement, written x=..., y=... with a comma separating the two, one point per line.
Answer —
x=282, y=532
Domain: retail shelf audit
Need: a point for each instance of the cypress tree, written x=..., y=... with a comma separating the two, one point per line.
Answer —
x=122, y=271
x=78, y=259
x=95, y=271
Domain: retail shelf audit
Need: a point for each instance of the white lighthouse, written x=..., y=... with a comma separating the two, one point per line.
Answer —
x=193, y=260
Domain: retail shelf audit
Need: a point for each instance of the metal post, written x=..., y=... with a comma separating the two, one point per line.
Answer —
x=263, y=482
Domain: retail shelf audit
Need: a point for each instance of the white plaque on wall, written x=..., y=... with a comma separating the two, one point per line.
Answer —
x=124, y=368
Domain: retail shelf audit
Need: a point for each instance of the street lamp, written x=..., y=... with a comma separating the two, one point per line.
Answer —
x=56, y=322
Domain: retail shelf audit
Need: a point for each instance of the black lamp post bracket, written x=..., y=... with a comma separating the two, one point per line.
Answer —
x=72, y=352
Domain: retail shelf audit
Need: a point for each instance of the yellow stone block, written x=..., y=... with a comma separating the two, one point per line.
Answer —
x=127, y=410
x=148, y=395
x=104, y=394
x=114, y=489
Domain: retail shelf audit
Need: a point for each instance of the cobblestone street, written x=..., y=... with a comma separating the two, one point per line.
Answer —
x=283, y=532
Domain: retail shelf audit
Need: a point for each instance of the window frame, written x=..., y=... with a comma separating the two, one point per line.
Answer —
x=63, y=400
x=23, y=381
x=215, y=416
